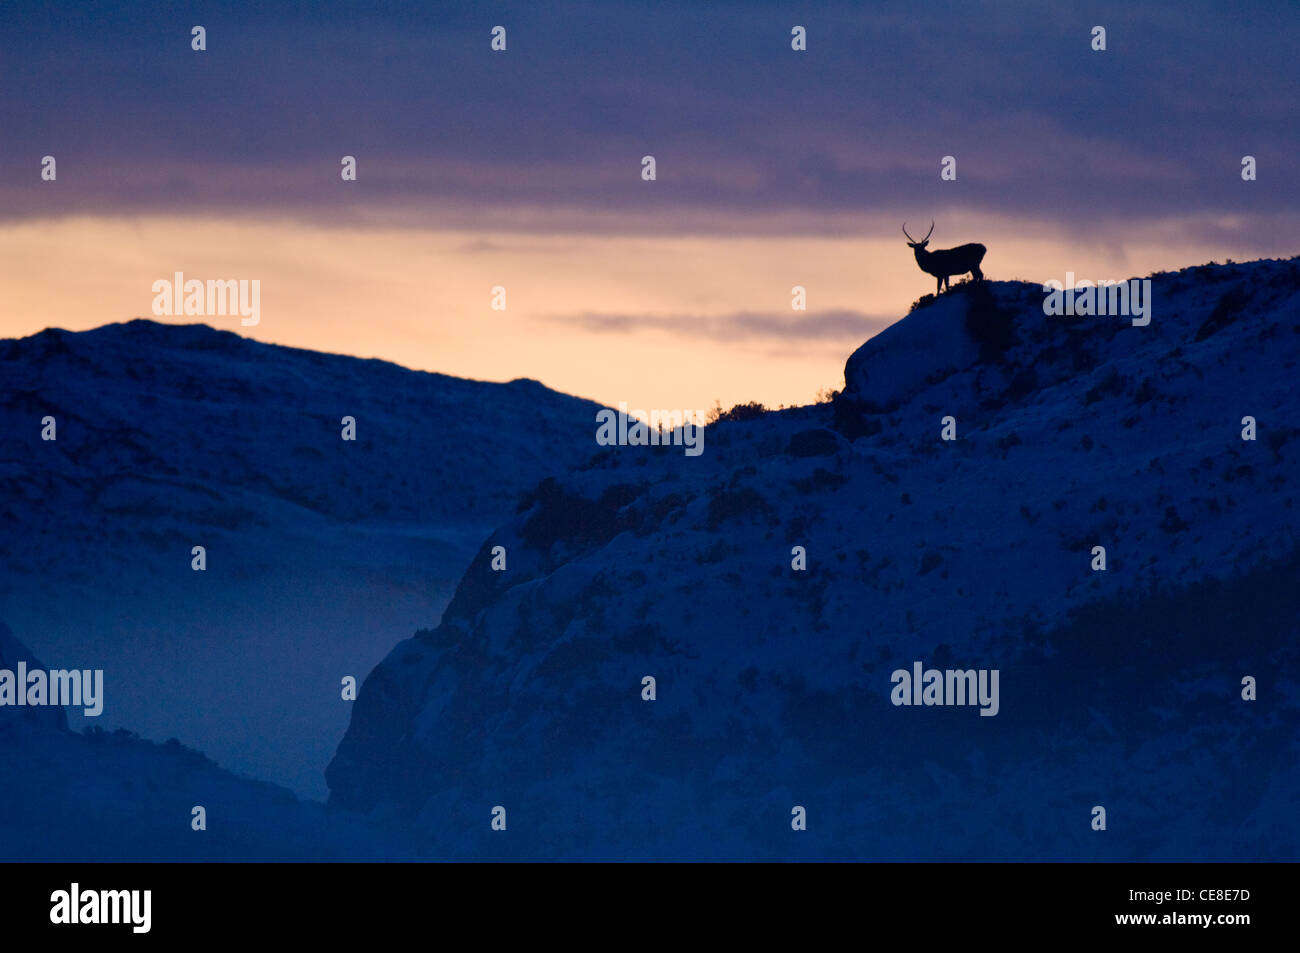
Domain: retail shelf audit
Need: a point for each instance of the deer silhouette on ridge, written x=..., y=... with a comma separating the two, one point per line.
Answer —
x=943, y=263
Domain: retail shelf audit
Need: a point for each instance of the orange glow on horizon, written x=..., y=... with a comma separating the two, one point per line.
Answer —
x=422, y=298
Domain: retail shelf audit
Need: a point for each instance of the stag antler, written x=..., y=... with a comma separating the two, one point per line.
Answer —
x=927, y=234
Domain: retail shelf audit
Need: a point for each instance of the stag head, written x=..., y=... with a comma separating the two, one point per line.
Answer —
x=911, y=243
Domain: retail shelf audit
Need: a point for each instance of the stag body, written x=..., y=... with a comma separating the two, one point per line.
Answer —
x=946, y=262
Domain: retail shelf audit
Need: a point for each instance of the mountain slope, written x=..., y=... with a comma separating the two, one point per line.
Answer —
x=110, y=796
x=1119, y=688
x=317, y=548
x=205, y=431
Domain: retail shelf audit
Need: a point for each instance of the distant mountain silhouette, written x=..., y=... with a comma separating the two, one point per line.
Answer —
x=109, y=795
x=317, y=549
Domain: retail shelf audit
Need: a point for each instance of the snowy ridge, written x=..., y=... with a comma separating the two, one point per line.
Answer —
x=194, y=430
x=1119, y=688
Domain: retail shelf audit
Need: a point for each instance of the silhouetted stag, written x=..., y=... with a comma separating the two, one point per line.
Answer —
x=947, y=262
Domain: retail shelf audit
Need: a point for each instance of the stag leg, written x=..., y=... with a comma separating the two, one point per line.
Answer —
x=976, y=273
x=938, y=285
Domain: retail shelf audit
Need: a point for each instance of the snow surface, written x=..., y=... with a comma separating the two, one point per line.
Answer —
x=1118, y=688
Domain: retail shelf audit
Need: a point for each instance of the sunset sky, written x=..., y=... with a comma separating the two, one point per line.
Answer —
x=522, y=169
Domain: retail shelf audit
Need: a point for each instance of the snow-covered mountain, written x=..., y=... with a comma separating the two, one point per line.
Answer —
x=199, y=431
x=317, y=548
x=1120, y=688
